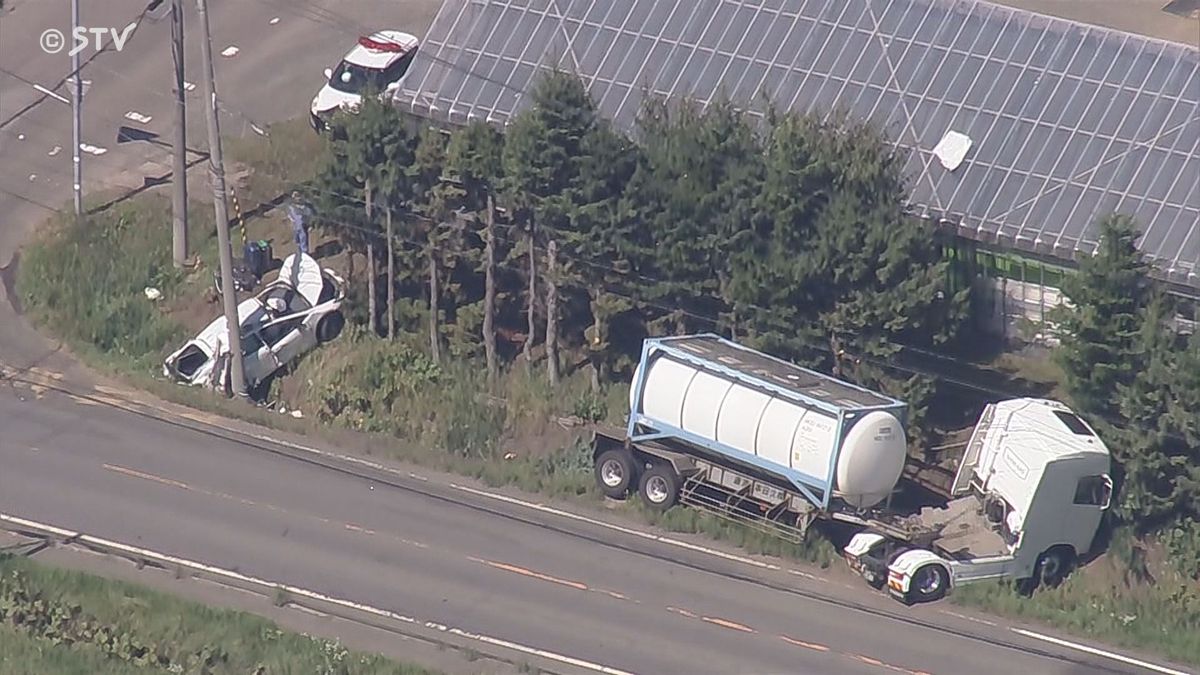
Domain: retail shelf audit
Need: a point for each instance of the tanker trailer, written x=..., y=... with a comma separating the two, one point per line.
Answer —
x=723, y=427
x=750, y=437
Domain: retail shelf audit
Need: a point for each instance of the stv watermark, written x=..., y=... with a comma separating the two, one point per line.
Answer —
x=53, y=41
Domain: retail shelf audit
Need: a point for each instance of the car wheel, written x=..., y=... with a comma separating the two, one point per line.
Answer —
x=330, y=326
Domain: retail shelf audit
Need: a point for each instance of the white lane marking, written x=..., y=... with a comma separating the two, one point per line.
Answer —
x=618, y=528
x=1099, y=652
x=520, y=502
x=138, y=117
x=230, y=51
x=967, y=618
x=82, y=538
x=51, y=94
x=92, y=149
x=188, y=86
x=806, y=575
x=274, y=21
x=54, y=151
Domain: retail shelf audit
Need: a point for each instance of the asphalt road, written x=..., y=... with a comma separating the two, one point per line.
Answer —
x=426, y=549
x=283, y=47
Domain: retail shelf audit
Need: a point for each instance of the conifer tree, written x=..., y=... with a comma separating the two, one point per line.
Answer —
x=1100, y=330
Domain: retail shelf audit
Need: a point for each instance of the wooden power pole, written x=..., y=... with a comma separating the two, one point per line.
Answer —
x=216, y=166
x=179, y=199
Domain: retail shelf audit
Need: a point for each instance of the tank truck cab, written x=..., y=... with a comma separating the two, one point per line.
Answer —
x=1027, y=501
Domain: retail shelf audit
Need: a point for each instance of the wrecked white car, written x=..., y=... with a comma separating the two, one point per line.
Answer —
x=287, y=318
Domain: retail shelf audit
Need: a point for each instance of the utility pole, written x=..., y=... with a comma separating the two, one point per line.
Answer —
x=76, y=103
x=216, y=167
x=179, y=200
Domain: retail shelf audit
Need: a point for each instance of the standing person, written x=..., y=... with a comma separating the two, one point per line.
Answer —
x=299, y=213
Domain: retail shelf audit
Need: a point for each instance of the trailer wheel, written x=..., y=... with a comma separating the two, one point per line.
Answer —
x=929, y=583
x=659, y=487
x=1054, y=565
x=614, y=473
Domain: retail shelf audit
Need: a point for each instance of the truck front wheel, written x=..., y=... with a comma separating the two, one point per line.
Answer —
x=1054, y=566
x=929, y=583
x=659, y=487
x=615, y=473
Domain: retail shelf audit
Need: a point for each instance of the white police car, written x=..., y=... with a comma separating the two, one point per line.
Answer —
x=380, y=60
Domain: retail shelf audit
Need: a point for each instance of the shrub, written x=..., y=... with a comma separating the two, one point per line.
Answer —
x=86, y=280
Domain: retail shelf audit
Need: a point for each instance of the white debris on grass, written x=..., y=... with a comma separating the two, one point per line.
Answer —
x=152, y=293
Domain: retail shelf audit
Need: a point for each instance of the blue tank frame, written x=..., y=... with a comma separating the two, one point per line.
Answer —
x=806, y=484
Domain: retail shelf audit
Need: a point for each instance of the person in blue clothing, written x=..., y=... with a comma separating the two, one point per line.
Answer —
x=299, y=213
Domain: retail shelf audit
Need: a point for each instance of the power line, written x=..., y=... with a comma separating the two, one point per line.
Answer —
x=137, y=24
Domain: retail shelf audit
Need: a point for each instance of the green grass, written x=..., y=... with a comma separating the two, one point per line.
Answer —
x=85, y=282
x=1163, y=618
x=22, y=654
x=79, y=284
x=59, y=621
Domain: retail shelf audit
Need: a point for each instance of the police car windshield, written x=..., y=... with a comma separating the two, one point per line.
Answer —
x=352, y=79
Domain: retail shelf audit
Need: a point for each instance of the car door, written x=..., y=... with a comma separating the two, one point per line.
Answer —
x=258, y=360
x=284, y=340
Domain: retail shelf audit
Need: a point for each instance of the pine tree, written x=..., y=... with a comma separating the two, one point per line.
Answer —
x=375, y=144
x=605, y=243
x=694, y=193
x=1100, y=329
x=542, y=161
x=474, y=157
x=1157, y=439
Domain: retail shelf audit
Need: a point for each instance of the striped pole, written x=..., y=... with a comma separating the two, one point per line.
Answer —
x=237, y=213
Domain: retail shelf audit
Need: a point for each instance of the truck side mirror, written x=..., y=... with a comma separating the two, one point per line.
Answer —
x=1106, y=501
x=328, y=73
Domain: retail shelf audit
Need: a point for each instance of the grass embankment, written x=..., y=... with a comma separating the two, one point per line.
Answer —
x=407, y=408
x=63, y=622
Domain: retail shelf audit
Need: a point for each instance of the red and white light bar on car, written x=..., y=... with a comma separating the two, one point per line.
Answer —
x=380, y=46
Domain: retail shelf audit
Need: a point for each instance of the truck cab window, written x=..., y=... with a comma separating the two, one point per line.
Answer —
x=1092, y=491
x=1074, y=423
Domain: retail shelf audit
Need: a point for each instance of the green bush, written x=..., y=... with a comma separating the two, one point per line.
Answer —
x=78, y=620
x=370, y=384
x=1182, y=541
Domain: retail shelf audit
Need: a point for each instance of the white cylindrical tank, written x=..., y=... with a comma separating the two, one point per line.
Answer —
x=801, y=440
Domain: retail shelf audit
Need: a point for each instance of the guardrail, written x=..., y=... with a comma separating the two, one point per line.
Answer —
x=285, y=594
